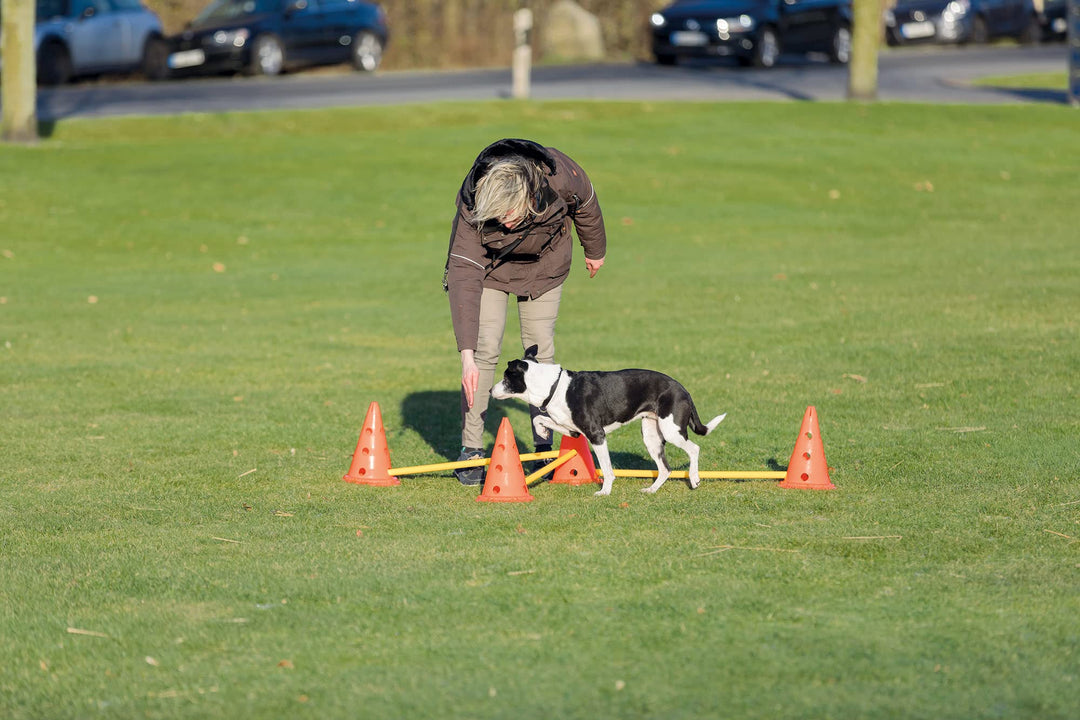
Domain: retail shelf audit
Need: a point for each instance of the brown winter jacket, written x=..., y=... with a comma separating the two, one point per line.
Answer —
x=485, y=257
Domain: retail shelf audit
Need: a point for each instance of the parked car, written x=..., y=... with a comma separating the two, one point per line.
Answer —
x=267, y=37
x=755, y=32
x=93, y=37
x=1053, y=18
x=961, y=21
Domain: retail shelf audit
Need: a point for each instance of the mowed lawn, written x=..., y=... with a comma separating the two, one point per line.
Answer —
x=196, y=312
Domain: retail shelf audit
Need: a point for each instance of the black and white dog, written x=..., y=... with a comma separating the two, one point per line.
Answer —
x=595, y=403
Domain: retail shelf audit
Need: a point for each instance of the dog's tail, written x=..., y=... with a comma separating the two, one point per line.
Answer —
x=706, y=428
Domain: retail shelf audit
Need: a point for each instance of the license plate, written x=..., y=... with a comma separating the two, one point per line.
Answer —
x=186, y=59
x=915, y=30
x=689, y=38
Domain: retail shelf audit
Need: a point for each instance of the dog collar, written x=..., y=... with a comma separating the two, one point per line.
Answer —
x=543, y=406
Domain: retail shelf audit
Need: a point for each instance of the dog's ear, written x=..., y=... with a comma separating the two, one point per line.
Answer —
x=530, y=352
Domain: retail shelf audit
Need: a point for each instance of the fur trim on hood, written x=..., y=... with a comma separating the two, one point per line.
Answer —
x=506, y=149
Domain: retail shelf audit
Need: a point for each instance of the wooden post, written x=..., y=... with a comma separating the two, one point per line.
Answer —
x=18, y=123
x=523, y=21
x=865, y=41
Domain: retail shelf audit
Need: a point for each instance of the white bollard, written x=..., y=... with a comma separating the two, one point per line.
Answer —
x=523, y=21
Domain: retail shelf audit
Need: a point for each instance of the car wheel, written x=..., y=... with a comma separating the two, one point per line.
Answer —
x=267, y=56
x=766, y=50
x=155, y=62
x=666, y=59
x=53, y=64
x=367, y=51
x=840, y=45
x=980, y=34
x=1032, y=32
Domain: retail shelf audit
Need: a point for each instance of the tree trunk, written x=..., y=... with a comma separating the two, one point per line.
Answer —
x=865, y=41
x=17, y=76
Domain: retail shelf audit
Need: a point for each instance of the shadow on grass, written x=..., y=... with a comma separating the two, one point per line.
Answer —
x=1035, y=95
x=435, y=415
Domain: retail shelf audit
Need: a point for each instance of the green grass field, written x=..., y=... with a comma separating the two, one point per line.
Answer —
x=196, y=312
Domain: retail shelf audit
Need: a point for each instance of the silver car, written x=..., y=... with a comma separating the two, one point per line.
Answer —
x=92, y=37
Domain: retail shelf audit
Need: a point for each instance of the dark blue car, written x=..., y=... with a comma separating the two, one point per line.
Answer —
x=754, y=32
x=267, y=37
x=961, y=21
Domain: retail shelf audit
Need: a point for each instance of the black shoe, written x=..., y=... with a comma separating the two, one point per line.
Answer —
x=471, y=475
x=537, y=464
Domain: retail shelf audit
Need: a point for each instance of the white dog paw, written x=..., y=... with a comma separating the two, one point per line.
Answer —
x=602, y=492
x=650, y=490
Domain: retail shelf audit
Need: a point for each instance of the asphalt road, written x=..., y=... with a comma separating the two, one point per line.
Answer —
x=938, y=75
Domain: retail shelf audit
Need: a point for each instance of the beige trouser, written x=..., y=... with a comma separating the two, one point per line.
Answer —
x=537, y=318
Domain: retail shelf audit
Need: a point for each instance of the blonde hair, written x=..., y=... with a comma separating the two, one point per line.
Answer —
x=507, y=188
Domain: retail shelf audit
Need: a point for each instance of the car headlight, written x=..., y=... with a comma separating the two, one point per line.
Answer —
x=236, y=38
x=741, y=24
x=657, y=20
x=956, y=9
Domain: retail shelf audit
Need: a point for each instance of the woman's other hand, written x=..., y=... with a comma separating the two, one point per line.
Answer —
x=470, y=375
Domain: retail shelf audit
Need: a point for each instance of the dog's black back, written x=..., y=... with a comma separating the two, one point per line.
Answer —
x=598, y=399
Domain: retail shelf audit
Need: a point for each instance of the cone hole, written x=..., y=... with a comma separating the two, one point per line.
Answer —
x=498, y=468
x=496, y=489
x=362, y=471
x=573, y=473
x=806, y=455
x=365, y=451
x=805, y=477
x=809, y=435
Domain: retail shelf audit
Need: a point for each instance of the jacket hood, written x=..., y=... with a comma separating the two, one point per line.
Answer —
x=506, y=149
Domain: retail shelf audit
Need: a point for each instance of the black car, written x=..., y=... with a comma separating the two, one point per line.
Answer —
x=1053, y=18
x=266, y=37
x=755, y=32
x=961, y=21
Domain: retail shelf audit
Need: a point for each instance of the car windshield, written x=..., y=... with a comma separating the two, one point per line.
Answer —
x=228, y=9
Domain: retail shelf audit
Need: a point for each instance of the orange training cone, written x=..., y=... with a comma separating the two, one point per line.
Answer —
x=505, y=479
x=371, y=461
x=807, y=468
x=580, y=469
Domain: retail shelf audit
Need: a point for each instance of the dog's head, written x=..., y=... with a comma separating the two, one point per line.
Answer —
x=513, y=383
x=519, y=376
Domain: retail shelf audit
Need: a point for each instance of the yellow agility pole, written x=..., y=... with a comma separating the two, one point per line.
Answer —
x=552, y=454
x=550, y=466
x=479, y=462
x=707, y=474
